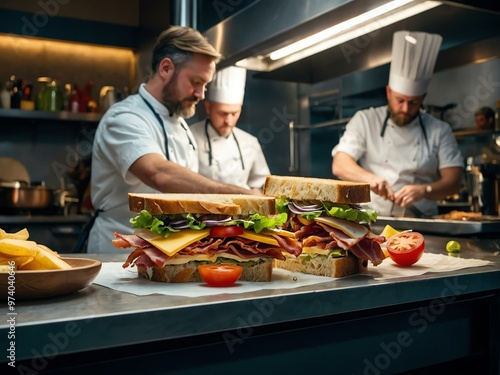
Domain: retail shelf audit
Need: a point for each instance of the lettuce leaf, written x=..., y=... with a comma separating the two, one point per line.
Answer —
x=258, y=222
x=159, y=224
x=341, y=211
x=156, y=224
x=344, y=211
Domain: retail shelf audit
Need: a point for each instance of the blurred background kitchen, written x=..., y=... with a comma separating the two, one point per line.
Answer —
x=63, y=63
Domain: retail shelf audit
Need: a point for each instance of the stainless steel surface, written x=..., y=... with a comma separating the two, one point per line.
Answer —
x=108, y=318
x=469, y=29
x=442, y=227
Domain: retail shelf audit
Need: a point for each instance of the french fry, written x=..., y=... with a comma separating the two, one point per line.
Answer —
x=23, y=234
x=49, y=249
x=49, y=260
x=28, y=255
x=19, y=261
x=13, y=247
x=34, y=265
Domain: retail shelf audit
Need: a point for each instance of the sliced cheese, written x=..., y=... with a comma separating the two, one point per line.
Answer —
x=279, y=232
x=352, y=229
x=175, y=241
x=259, y=237
x=182, y=259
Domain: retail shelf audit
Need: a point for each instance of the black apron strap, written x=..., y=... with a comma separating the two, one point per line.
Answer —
x=84, y=234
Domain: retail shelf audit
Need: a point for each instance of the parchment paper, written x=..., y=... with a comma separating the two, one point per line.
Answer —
x=113, y=276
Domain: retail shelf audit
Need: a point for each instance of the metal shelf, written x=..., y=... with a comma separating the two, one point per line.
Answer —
x=57, y=116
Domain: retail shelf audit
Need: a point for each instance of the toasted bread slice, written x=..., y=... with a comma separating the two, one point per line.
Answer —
x=321, y=266
x=188, y=272
x=221, y=204
x=317, y=189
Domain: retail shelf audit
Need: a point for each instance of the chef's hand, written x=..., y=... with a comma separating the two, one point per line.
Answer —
x=381, y=187
x=409, y=194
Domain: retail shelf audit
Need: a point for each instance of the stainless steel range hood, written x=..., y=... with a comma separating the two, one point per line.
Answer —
x=469, y=28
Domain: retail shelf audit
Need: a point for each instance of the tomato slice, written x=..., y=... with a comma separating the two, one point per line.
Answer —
x=226, y=231
x=219, y=274
x=406, y=248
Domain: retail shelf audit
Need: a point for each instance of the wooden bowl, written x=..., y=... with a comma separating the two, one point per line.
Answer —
x=50, y=283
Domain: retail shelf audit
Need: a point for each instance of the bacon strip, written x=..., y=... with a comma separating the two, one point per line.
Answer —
x=131, y=239
x=292, y=246
x=325, y=237
x=369, y=250
x=242, y=247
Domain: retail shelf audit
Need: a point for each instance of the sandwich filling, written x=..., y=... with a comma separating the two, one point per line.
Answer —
x=162, y=240
x=332, y=230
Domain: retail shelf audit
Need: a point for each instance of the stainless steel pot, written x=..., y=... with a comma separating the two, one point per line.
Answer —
x=19, y=195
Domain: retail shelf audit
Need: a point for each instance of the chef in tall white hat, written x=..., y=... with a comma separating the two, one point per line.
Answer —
x=227, y=153
x=409, y=158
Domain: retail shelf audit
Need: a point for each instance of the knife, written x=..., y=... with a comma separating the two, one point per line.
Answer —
x=397, y=211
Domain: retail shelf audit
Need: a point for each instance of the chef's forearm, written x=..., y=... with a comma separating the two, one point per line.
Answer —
x=169, y=177
x=448, y=184
x=344, y=167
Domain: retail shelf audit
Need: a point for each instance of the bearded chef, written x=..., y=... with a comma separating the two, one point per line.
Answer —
x=226, y=153
x=409, y=158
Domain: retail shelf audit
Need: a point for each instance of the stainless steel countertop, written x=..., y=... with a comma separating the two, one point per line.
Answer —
x=97, y=317
x=44, y=219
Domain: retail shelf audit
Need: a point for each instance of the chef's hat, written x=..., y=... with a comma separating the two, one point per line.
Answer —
x=228, y=86
x=414, y=55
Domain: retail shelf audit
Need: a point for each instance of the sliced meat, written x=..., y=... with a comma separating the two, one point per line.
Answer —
x=368, y=250
x=132, y=240
x=291, y=245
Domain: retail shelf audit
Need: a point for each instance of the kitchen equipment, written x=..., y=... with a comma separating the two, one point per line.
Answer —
x=473, y=177
x=444, y=113
x=107, y=97
x=21, y=195
x=485, y=225
x=489, y=188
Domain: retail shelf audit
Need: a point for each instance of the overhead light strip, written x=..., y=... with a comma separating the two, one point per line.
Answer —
x=349, y=29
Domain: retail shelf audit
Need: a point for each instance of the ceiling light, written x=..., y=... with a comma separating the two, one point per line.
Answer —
x=365, y=23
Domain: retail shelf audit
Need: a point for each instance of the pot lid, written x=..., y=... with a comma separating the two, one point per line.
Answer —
x=13, y=170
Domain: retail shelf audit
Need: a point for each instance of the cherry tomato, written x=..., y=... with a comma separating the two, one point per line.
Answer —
x=406, y=248
x=226, y=231
x=219, y=274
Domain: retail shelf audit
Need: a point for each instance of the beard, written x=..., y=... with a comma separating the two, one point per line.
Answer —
x=185, y=108
x=401, y=118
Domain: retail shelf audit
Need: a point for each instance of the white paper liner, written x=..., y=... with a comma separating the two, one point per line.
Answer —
x=428, y=263
x=113, y=276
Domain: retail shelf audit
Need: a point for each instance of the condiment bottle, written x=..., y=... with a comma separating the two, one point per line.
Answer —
x=5, y=97
x=497, y=116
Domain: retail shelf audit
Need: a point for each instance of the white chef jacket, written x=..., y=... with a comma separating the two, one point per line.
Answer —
x=129, y=130
x=226, y=161
x=402, y=156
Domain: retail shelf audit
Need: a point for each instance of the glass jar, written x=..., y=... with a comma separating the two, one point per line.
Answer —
x=51, y=99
